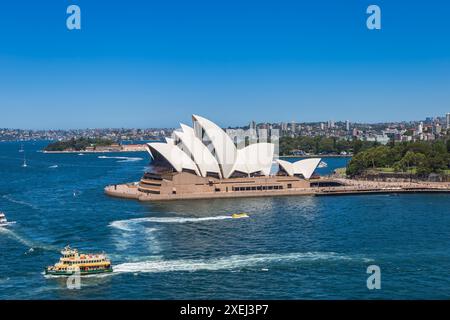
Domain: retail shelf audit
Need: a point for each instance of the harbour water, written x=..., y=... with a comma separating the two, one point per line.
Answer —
x=289, y=248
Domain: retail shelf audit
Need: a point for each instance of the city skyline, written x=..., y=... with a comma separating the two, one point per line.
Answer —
x=146, y=64
x=430, y=128
x=444, y=118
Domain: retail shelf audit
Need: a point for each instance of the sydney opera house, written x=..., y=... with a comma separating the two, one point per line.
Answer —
x=202, y=161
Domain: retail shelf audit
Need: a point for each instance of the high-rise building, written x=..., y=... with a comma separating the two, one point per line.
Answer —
x=347, y=125
x=293, y=127
x=420, y=128
x=448, y=120
x=437, y=128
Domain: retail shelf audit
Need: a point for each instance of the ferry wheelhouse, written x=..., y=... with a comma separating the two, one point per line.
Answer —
x=3, y=221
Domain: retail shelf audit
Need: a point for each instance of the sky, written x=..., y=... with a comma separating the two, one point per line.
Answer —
x=154, y=63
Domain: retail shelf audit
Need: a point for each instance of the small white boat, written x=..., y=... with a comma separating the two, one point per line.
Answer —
x=24, y=165
x=3, y=221
x=322, y=164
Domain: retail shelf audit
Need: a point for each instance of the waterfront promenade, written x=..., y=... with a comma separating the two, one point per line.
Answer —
x=346, y=187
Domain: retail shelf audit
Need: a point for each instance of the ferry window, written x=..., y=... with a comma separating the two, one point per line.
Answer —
x=247, y=188
x=253, y=188
x=258, y=188
x=270, y=187
x=264, y=188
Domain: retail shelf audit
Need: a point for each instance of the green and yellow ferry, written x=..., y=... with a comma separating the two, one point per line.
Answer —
x=73, y=262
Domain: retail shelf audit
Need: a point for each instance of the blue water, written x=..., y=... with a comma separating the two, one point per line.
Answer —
x=290, y=247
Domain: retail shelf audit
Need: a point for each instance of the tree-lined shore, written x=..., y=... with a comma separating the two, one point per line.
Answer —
x=420, y=158
x=79, y=144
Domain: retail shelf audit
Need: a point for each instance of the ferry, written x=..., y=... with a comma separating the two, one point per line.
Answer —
x=239, y=215
x=3, y=221
x=86, y=264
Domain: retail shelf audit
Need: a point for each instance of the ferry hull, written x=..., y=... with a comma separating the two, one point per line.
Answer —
x=82, y=273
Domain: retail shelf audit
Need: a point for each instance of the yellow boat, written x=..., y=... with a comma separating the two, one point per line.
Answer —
x=72, y=262
x=239, y=215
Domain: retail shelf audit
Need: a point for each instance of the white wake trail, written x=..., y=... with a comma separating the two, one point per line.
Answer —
x=122, y=159
x=127, y=224
x=20, y=202
x=235, y=262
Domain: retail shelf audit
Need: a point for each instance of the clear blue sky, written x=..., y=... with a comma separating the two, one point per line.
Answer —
x=154, y=63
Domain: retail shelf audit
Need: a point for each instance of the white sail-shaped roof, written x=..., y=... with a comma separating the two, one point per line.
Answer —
x=287, y=166
x=305, y=167
x=254, y=158
x=169, y=140
x=203, y=158
x=187, y=150
x=174, y=155
x=224, y=148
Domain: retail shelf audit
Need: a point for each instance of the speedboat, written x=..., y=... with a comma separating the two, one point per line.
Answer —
x=239, y=215
x=3, y=221
x=85, y=264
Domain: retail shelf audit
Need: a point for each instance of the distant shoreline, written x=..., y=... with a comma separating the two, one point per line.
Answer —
x=143, y=150
x=89, y=151
x=319, y=156
x=122, y=148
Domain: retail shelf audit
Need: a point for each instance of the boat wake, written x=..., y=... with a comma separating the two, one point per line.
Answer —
x=125, y=224
x=30, y=244
x=122, y=159
x=53, y=167
x=23, y=203
x=260, y=262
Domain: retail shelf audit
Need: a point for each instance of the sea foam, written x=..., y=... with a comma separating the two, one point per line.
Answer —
x=235, y=262
x=122, y=159
x=125, y=224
